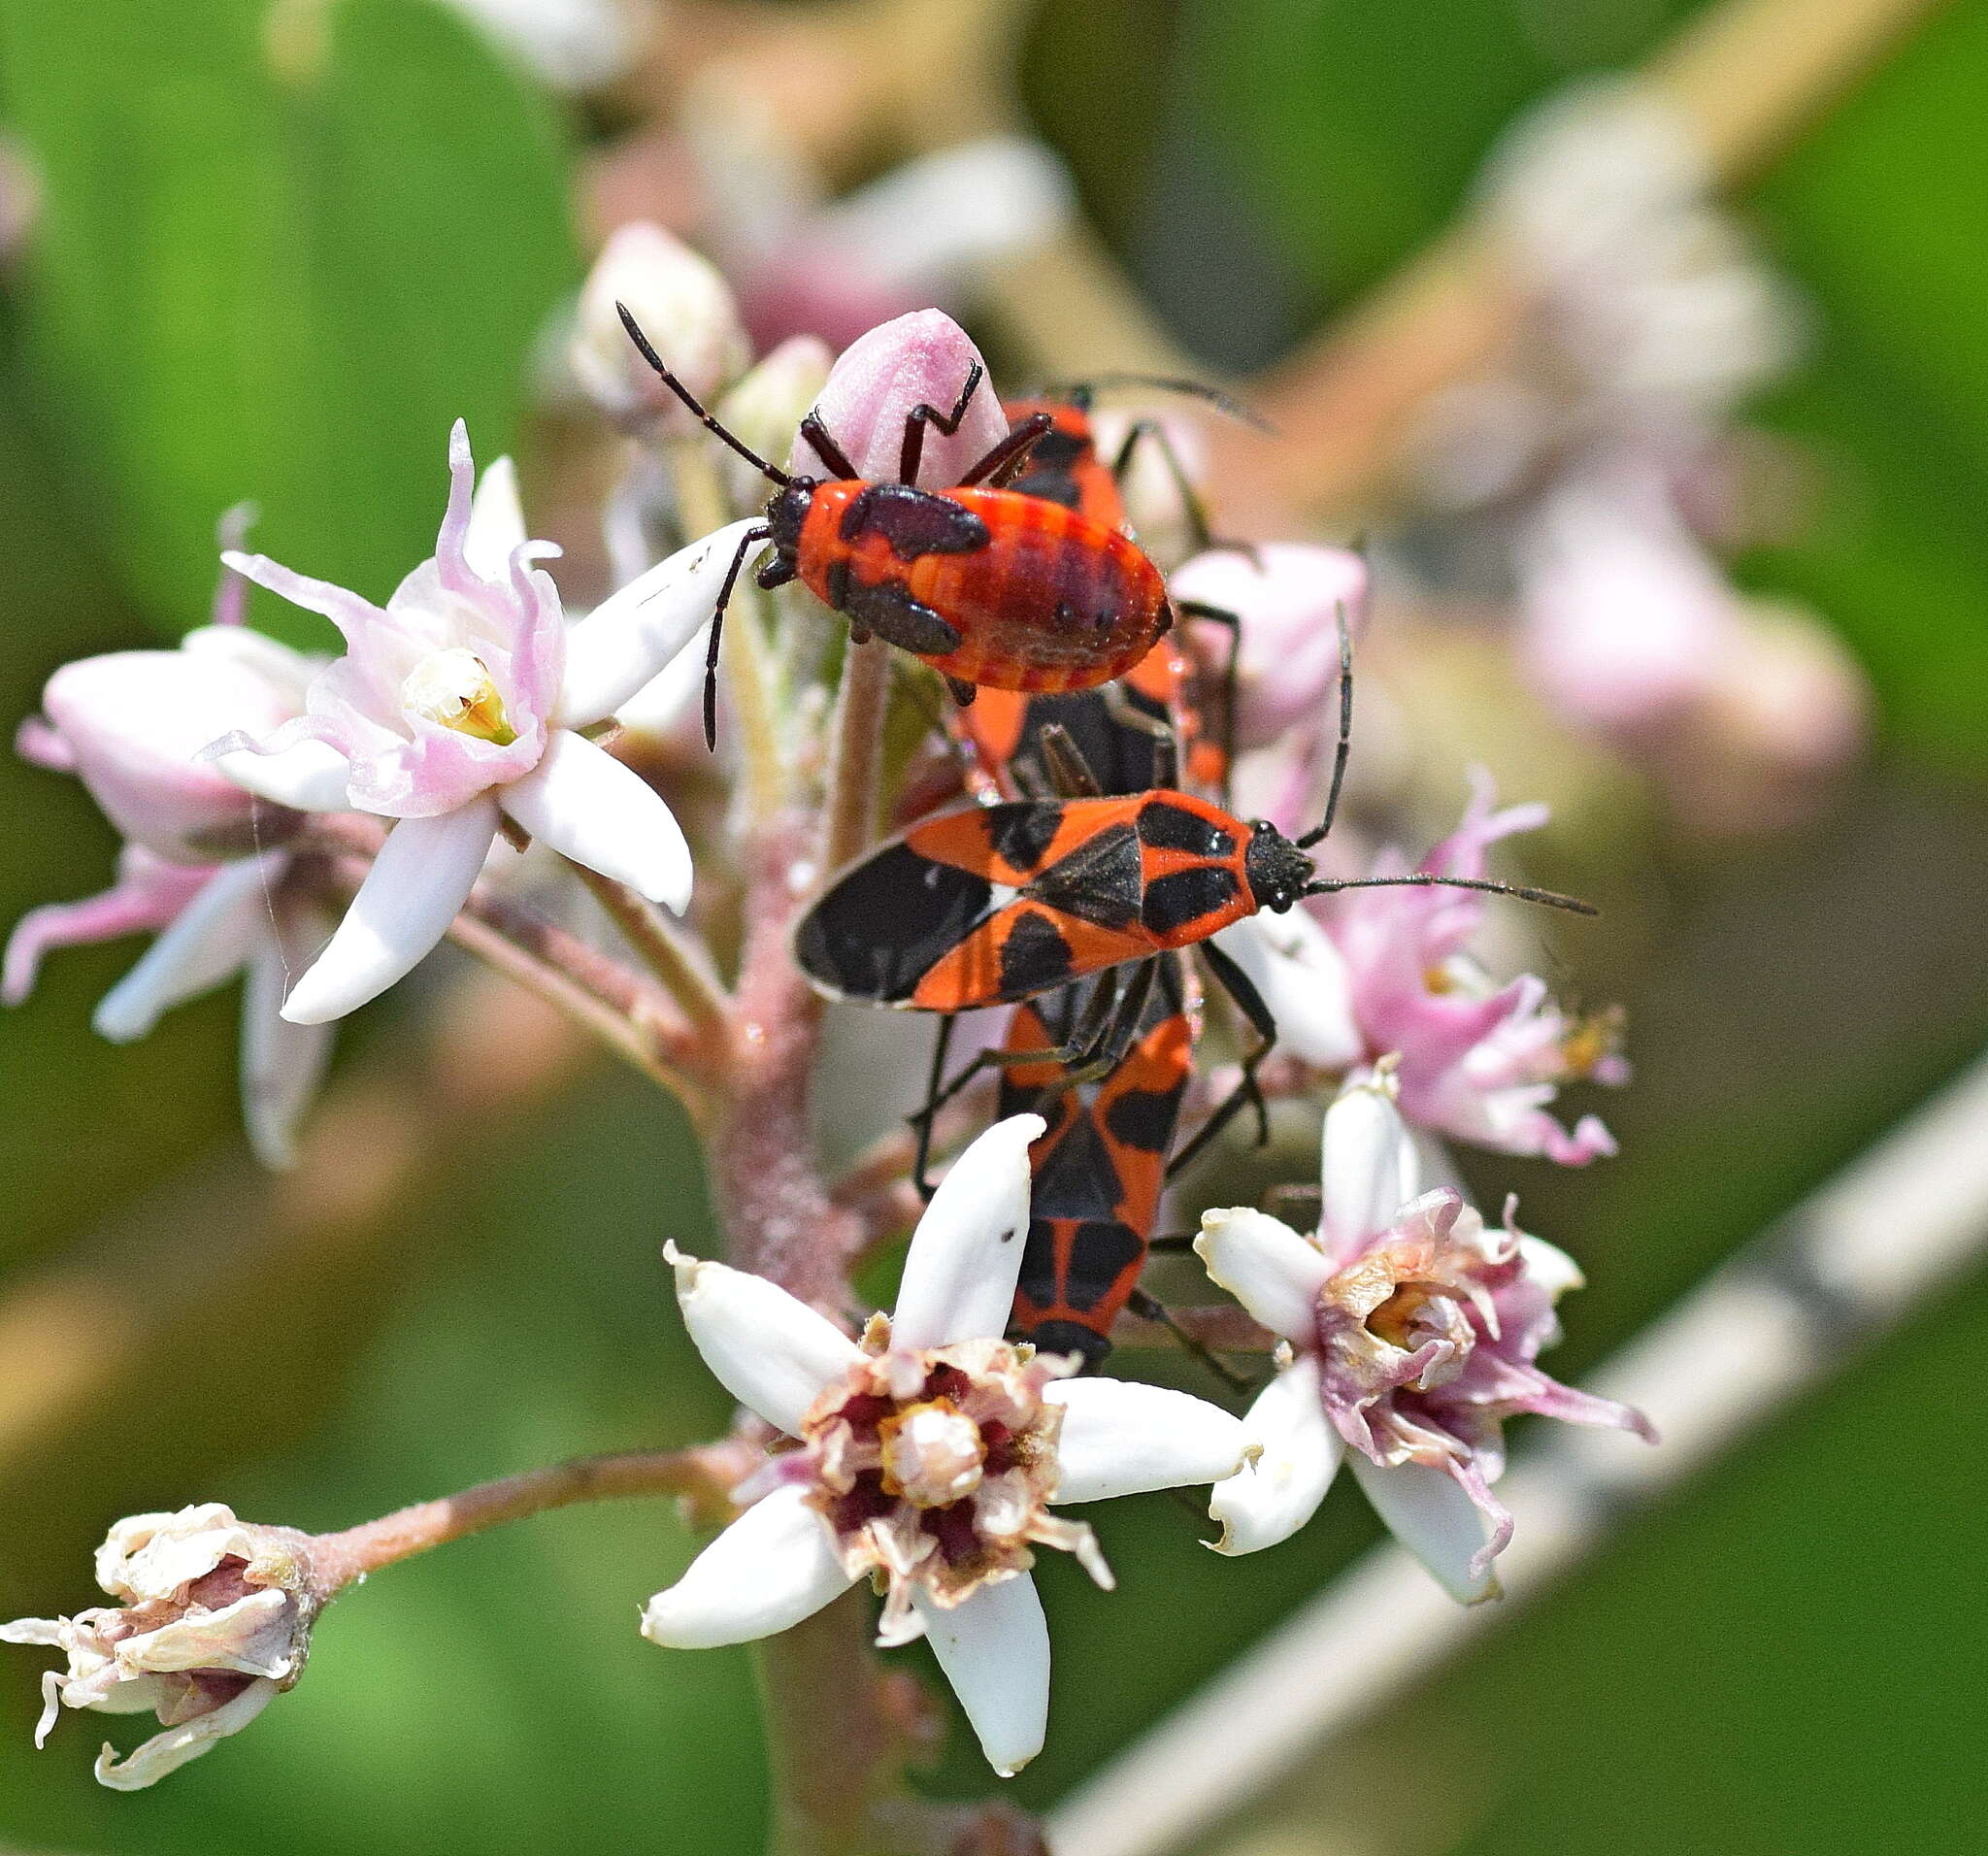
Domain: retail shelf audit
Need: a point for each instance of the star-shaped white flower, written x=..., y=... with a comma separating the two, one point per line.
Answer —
x=930, y=1454
x=465, y=700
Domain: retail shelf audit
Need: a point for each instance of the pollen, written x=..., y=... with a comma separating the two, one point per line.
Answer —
x=455, y=687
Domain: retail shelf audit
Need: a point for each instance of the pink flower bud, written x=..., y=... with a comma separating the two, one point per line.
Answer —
x=1288, y=596
x=925, y=358
x=684, y=308
x=134, y=727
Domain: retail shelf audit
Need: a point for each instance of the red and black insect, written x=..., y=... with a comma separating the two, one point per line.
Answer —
x=986, y=585
x=998, y=904
x=1099, y=1168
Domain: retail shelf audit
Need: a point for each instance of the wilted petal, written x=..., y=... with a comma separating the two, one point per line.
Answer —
x=212, y=937
x=308, y=776
x=1432, y=1515
x=170, y=1750
x=959, y=1275
x=631, y=635
x=994, y=1648
x=282, y=1063
x=418, y=881
x=1271, y=1498
x=772, y=1566
x=1366, y=1161
x=149, y=894
x=1122, y=1438
x=769, y=1351
x=586, y=805
x=1265, y=1266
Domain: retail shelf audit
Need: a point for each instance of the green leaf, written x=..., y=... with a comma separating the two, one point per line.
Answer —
x=281, y=248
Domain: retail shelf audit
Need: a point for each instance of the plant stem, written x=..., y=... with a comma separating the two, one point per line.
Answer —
x=856, y=758
x=679, y=966
x=338, y=1558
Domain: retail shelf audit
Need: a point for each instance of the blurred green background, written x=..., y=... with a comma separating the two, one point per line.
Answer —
x=278, y=249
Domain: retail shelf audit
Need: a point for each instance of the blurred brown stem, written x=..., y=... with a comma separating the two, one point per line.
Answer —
x=708, y=1474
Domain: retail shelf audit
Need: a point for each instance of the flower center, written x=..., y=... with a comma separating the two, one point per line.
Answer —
x=932, y=1454
x=455, y=687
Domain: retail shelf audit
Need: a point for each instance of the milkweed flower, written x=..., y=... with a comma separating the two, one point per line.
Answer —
x=204, y=863
x=928, y=1456
x=463, y=702
x=213, y=1623
x=1413, y=1329
x=1386, y=974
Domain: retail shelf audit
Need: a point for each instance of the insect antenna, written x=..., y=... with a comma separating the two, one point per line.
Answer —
x=1344, y=746
x=1170, y=383
x=773, y=473
x=1421, y=879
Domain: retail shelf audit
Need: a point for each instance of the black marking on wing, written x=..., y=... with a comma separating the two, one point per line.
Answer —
x=1104, y=1250
x=914, y=522
x=876, y=933
x=1170, y=827
x=1065, y=1336
x=1075, y=1178
x=1020, y=832
x=1122, y=759
x=1143, y=1118
x=1034, y=956
x=892, y=614
x=1183, y=896
x=1099, y=881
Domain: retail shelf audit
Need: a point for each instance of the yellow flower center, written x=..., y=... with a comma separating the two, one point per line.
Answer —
x=455, y=687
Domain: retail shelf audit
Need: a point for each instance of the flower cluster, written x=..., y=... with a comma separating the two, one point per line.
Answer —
x=323, y=823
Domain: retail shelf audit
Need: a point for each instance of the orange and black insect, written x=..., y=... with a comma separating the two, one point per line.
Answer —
x=988, y=586
x=1100, y=1167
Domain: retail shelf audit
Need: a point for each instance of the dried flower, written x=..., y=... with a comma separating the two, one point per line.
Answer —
x=929, y=1454
x=214, y=1623
x=1412, y=1332
x=462, y=700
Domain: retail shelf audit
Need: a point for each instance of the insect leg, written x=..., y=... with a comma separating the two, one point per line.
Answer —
x=922, y=1120
x=911, y=453
x=827, y=449
x=1200, y=534
x=1148, y=1307
x=1249, y=1002
x=1221, y=615
x=1004, y=459
x=747, y=542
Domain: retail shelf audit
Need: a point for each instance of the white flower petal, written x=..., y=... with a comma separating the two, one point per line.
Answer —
x=966, y=1253
x=282, y=1063
x=1275, y=1273
x=496, y=521
x=212, y=937
x=167, y=1752
x=1303, y=977
x=631, y=635
x=1551, y=1267
x=1273, y=1497
x=310, y=776
x=768, y=1349
x=1122, y=1438
x=772, y=1566
x=1428, y=1511
x=995, y=1651
x=420, y=878
x=585, y=803
x=1362, y=1156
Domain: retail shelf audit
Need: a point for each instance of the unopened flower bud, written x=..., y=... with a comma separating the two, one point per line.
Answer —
x=922, y=359
x=680, y=303
x=1288, y=596
x=134, y=727
x=765, y=409
x=214, y=1621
